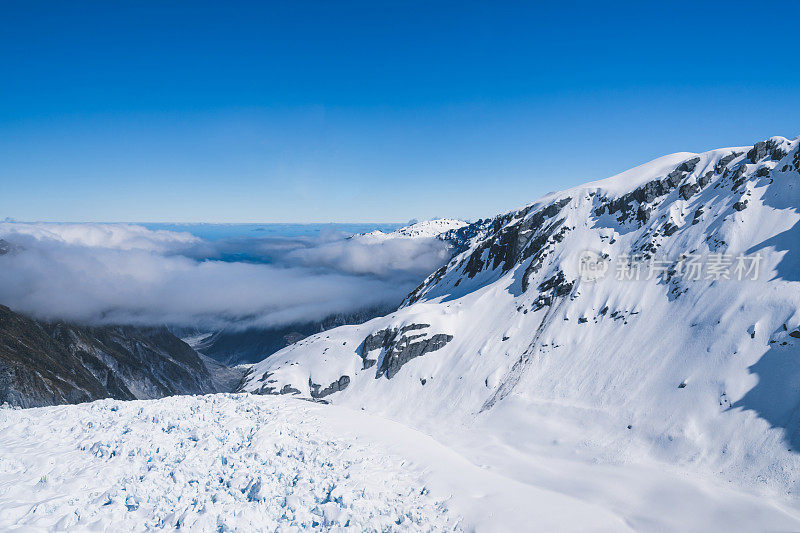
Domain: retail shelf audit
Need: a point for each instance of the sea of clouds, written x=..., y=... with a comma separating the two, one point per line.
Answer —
x=129, y=274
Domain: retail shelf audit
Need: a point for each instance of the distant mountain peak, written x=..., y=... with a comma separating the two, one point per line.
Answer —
x=424, y=229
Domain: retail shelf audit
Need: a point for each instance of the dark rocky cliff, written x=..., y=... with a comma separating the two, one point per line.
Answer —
x=45, y=363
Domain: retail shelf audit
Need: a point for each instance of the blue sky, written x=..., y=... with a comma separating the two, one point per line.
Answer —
x=353, y=112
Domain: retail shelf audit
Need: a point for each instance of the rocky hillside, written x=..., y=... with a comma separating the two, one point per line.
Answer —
x=56, y=363
x=656, y=310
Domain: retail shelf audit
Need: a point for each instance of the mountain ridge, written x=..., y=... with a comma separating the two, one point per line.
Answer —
x=698, y=371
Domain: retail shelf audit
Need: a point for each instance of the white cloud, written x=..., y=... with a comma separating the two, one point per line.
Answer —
x=118, y=236
x=123, y=273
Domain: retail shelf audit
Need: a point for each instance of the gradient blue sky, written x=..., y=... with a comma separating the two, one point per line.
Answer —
x=331, y=111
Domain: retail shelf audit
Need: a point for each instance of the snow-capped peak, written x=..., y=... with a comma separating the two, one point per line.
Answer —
x=425, y=229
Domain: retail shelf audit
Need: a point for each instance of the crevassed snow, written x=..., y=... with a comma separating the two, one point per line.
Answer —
x=210, y=463
x=249, y=463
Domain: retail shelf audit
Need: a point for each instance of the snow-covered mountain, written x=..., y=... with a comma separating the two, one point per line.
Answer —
x=418, y=230
x=540, y=321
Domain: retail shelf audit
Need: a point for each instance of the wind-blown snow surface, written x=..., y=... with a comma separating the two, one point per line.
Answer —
x=700, y=376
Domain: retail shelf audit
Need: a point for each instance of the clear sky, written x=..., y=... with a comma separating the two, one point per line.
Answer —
x=373, y=111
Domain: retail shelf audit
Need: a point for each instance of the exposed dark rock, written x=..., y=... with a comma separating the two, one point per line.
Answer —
x=674, y=178
x=740, y=205
x=724, y=161
x=539, y=249
x=758, y=152
x=688, y=165
x=764, y=148
x=513, y=243
x=646, y=194
x=777, y=154
x=552, y=288
x=738, y=176
x=45, y=363
x=398, y=348
x=272, y=390
x=338, y=385
x=688, y=189
x=670, y=228
x=761, y=172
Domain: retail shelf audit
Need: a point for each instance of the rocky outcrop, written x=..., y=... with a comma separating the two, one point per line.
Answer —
x=337, y=386
x=632, y=206
x=741, y=205
x=769, y=147
x=44, y=363
x=554, y=287
x=398, y=346
x=507, y=240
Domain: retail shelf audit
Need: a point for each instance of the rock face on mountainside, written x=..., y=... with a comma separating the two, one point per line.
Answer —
x=665, y=299
x=398, y=346
x=56, y=363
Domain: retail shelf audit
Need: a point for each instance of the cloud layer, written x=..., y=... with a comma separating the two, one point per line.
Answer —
x=124, y=273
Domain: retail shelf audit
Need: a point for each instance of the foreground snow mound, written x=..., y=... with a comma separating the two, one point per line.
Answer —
x=687, y=356
x=211, y=463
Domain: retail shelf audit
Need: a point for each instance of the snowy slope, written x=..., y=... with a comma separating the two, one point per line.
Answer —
x=509, y=340
x=246, y=463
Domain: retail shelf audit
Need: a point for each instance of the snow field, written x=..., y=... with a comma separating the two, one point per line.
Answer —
x=204, y=463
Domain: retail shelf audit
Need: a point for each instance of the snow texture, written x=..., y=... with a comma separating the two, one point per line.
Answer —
x=205, y=463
